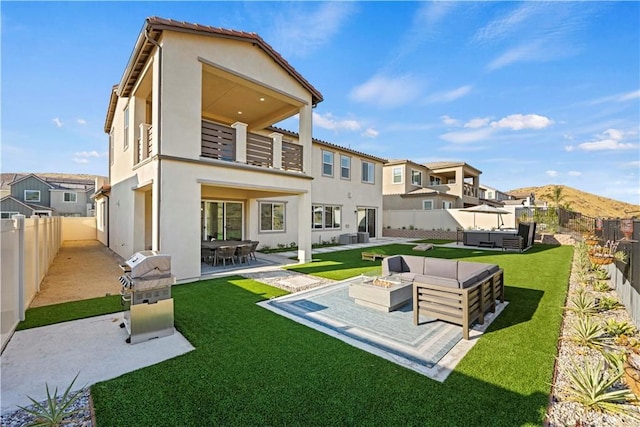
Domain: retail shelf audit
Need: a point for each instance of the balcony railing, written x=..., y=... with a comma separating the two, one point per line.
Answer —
x=218, y=142
x=469, y=190
x=221, y=142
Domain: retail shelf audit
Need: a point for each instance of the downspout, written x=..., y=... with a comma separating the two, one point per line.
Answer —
x=159, y=127
x=108, y=221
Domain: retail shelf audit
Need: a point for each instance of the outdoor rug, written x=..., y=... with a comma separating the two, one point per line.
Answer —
x=433, y=348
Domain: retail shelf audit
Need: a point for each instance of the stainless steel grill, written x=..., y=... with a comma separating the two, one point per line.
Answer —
x=146, y=290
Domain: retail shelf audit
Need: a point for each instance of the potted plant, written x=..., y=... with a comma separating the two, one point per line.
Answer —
x=601, y=255
x=591, y=239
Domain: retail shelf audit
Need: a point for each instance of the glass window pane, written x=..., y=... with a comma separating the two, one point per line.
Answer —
x=265, y=216
x=328, y=217
x=316, y=216
x=337, y=220
x=278, y=216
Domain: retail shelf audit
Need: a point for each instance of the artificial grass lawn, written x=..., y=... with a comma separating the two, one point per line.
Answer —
x=253, y=367
x=57, y=313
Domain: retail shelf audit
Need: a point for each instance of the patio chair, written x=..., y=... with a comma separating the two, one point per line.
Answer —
x=254, y=246
x=208, y=255
x=243, y=252
x=225, y=253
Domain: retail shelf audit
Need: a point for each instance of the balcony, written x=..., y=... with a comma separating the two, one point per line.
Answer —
x=234, y=144
x=469, y=190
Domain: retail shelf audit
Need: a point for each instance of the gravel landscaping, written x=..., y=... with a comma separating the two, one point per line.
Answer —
x=563, y=412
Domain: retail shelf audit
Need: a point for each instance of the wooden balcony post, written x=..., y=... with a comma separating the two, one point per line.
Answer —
x=277, y=149
x=241, y=141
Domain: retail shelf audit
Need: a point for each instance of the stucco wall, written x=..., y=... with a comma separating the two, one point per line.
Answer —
x=79, y=228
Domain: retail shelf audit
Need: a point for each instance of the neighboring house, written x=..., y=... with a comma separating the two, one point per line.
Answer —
x=194, y=154
x=47, y=195
x=440, y=185
x=490, y=193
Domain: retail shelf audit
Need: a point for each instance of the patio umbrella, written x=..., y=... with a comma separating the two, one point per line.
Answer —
x=485, y=209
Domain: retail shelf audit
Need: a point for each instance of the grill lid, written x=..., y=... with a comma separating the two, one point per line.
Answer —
x=147, y=264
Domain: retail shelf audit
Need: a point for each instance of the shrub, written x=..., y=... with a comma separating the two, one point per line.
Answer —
x=608, y=303
x=600, y=286
x=615, y=328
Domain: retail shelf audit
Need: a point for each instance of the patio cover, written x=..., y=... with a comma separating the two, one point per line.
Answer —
x=484, y=208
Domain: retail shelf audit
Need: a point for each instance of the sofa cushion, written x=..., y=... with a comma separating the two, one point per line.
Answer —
x=446, y=268
x=470, y=281
x=394, y=264
x=492, y=268
x=412, y=264
x=435, y=280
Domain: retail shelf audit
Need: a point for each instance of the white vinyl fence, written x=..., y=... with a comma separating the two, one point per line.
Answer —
x=29, y=246
x=446, y=219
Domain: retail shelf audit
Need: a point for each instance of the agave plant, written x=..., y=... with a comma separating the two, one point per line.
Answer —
x=593, y=388
x=582, y=303
x=608, y=303
x=600, y=286
x=614, y=328
x=53, y=411
x=588, y=333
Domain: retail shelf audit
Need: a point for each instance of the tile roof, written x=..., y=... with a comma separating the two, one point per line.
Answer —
x=328, y=144
x=153, y=28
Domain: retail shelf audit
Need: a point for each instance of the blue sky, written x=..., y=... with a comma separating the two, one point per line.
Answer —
x=530, y=93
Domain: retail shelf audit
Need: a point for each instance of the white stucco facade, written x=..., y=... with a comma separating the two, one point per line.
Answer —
x=194, y=156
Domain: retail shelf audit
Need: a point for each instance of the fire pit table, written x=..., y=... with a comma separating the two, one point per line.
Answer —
x=384, y=293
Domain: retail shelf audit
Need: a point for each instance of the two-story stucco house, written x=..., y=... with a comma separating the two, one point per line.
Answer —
x=438, y=185
x=194, y=154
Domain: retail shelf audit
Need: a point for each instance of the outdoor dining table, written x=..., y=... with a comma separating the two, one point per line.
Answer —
x=215, y=244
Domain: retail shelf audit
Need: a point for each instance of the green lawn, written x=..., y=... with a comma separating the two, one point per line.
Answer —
x=253, y=367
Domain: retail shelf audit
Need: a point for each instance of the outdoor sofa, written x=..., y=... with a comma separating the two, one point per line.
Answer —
x=459, y=292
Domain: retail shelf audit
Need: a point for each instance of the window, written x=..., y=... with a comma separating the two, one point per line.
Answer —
x=271, y=216
x=31, y=195
x=69, y=197
x=434, y=180
x=446, y=205
x=451, y=181
x=316, y=217
x=368, y=170
x=416, y=178
x=126, y=128
x=327, y=163
x=345, y=167
x=7, y=215
x=427, y=205
x=332, y=218
x=489, y=194
x=397, y=175
x=326, y=217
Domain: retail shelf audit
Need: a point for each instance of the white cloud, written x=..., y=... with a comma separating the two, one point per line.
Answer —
x=81, y=121
x=387, y=92
x=569, y=148
x=619, y=97
x=57, y=122
x=465, y=137
x=552, y=173
x=424, y=25
x=528, y=51
x=86, y=154
x=451, y=95
x=574, y=173
x=635, y=164
x=611, y=139
x=450, y=121
x=477, y=123
x=504, y=26
x=519, y=122
x=328, y=121
x=80, y=161
x=370, y=133
x=301, y=29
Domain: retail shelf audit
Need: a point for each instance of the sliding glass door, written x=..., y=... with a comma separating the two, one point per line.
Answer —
x=367, y=221
x=221, y=220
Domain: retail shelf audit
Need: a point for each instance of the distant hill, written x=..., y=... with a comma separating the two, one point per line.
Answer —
x=580, y=201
